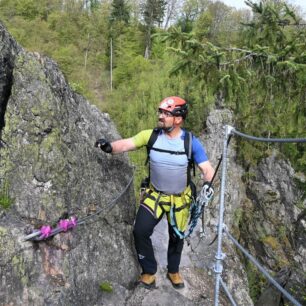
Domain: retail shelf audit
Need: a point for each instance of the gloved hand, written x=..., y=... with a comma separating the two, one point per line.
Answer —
x=208, y=191
x=104, y=145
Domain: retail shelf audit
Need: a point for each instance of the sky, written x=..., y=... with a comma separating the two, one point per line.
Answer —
x=240, y=4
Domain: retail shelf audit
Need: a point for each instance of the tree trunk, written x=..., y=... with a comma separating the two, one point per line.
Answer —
x=148, y=37
x=148, y=44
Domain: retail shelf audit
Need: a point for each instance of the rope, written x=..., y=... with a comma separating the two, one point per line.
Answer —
x=34, y=236
x=111, y=204
x=282, y=140
x=262, y=270
x=230, y=297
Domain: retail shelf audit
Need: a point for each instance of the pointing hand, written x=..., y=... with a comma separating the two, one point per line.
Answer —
x=104, y=145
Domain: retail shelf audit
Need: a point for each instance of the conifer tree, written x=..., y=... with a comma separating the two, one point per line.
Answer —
x=119, y=12
x=153, y=13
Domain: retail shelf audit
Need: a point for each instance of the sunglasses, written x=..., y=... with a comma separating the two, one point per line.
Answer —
x=164, y=113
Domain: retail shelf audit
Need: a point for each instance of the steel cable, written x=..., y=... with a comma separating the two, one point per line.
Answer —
x=262, y=270
x=281, y=140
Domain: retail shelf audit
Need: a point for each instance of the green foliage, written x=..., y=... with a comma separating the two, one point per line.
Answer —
x=29, y=9
x=77, y=87
x=256, y=64
x=139, y=87
x=106, y=287
x=153, y=11
x=66, y=57
x=5, y=200
x=72, y=34
x=264, y=84
x=256, y=281
x=119, y=12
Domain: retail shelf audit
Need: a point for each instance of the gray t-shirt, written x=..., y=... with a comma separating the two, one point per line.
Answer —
x=168, y=172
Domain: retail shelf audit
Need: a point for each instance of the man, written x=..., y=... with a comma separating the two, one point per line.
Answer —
x=168, y=188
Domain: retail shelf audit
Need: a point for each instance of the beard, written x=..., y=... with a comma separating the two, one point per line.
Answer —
x=162, y=125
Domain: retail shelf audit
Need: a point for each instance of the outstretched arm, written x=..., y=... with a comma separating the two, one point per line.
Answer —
x=118, y=146
x=123, y=145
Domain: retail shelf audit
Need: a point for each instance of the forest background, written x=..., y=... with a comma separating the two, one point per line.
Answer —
x=126, y=55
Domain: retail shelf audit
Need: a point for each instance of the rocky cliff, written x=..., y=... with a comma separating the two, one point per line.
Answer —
x=265, y=210
x=273, y=225
x=49, y=168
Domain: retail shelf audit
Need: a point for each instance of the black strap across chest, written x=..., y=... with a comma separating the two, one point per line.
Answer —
x=187, y=148
x=168, y=151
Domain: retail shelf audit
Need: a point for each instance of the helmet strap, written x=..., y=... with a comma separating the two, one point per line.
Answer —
x=169, y=129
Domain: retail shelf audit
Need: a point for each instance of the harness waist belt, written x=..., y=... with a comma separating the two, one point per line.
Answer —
x=163, y=193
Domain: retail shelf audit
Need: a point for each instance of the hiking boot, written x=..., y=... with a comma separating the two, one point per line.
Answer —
x=147, y=281
x=176, y=280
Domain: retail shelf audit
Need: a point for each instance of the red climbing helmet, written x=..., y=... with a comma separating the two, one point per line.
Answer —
x=175, y=105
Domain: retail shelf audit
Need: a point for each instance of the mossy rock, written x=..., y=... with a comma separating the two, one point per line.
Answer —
x=106, y=287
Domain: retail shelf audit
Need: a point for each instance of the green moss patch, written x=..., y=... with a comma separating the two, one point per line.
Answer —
x=106, y=287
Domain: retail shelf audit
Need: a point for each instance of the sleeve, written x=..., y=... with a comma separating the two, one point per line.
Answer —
x=198, y=151
x=141, y=139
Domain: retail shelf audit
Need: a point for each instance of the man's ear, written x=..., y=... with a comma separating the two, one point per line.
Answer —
x=178, y=120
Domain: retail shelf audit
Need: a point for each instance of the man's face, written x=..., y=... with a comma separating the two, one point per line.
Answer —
x=165, y=119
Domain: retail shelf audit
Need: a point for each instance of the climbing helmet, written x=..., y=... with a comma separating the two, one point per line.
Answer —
x=174, y=105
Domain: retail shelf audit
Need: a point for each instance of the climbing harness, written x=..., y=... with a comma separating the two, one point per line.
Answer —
x=159, y=203
x=64, y=225
x=196, y=209
x=176, y=212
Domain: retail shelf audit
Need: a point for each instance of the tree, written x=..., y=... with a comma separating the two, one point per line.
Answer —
x=91, y=4
x=191, y=10
x=119, y=12
x=171, y=10
x=262, y=78
x=153, y=12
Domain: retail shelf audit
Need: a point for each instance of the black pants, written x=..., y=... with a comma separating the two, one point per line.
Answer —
x=143, y=229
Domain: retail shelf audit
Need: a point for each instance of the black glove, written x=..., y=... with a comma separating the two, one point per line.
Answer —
x=104, y=145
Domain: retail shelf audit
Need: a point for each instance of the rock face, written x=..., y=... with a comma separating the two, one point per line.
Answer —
x=233, y=274
x=8, y=51
x=49, y=167
x=273, y=223
x=265, y=212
